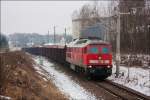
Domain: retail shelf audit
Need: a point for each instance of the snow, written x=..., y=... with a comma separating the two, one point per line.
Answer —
x=4, y=97
x=15, y=48
x=63, y=82
x=83, y=43
x=49, y=44
x=133, y=77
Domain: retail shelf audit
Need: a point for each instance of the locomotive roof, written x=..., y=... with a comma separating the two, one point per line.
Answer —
x=85, y=42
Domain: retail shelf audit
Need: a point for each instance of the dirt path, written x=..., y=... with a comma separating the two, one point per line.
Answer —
x=20, y=81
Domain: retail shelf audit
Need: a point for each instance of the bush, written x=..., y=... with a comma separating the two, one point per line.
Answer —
x=3, y=42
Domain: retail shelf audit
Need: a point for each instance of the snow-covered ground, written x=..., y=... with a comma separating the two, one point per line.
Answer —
x=5, y=97
x=138, y=79
x=63, y=82
x=135, y=78
x=14, y=48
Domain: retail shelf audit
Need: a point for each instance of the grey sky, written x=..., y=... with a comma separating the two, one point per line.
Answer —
x=37, y=16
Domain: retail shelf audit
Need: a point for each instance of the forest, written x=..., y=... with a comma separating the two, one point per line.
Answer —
x=134, y=23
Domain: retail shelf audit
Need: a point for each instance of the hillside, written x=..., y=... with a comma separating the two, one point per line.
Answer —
x=20, y=81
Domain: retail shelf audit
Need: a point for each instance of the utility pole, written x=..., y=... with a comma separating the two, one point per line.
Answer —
x=65, y=36
x=118, y=40
x=48, y=37
x=118, y=44
x=54, y=35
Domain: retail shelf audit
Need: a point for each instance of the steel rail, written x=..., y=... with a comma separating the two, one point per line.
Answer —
x=142, y=96
x=126, y=92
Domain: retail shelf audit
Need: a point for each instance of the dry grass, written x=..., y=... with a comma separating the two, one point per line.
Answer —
x=20, y=81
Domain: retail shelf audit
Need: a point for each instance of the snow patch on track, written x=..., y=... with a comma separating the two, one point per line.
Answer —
x=63, y=82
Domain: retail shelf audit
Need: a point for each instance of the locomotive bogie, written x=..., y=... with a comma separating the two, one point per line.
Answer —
x=100, y=71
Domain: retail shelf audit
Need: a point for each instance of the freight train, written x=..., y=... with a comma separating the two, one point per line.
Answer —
x=91, y=57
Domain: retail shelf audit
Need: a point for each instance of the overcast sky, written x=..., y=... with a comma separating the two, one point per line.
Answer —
x=37, y=16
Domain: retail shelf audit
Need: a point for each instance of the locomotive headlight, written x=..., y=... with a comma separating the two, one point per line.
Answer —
x=108, y=66
x=93, y=61
x=90, y=66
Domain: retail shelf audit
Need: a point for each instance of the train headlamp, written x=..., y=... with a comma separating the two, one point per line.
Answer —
x=90, y=66
x=108, y=66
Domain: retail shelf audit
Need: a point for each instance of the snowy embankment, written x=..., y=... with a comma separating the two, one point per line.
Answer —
x=135, y=78
x=4, y=97
x=65, y=84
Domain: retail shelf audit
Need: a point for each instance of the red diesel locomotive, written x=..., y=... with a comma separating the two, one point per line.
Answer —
x=92, y=57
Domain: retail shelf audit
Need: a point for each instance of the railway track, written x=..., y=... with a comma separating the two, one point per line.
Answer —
x=122, y=92
x=115, y=89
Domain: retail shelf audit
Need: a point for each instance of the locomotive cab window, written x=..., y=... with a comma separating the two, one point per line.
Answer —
x=105, y=50
x=93, y=50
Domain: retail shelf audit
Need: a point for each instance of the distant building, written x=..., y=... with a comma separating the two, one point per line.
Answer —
x=96, y=31
x=80, y=24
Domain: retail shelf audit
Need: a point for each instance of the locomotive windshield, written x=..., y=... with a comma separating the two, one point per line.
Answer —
x=101, y=49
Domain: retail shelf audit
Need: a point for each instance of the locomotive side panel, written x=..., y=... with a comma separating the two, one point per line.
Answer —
x=74, y=55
